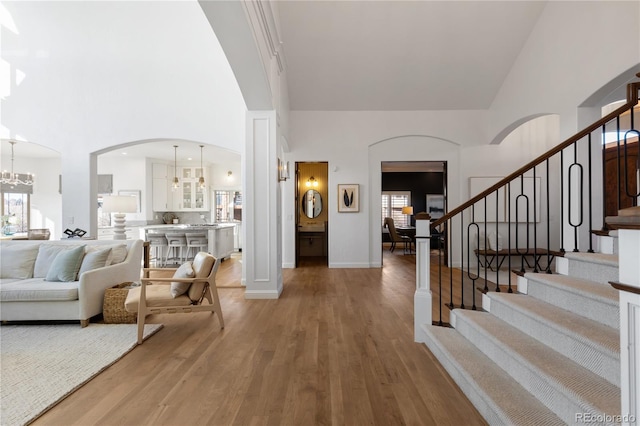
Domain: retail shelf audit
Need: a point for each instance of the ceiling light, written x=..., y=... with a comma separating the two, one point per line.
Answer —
x=176, y=184
x=12, y=178
x=201, y=178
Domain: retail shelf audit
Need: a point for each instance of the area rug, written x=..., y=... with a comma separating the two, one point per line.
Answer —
x=42, y=364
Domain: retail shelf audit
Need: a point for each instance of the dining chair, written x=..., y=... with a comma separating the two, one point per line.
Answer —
x=395, y=237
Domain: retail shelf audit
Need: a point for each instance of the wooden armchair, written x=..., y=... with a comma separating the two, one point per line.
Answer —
x=158, y=299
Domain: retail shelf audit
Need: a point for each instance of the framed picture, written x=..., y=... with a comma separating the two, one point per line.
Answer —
x=435, y=205
x=132, y=193
x=348, y=198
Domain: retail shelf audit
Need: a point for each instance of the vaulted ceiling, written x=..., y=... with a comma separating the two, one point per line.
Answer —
x=401, y=55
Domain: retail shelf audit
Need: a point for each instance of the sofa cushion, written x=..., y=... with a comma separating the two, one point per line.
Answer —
x=47, y=253
x=202, y=267
x=118, y=252
x=37, y=289
x=17, y=261
x=94, y=260
x=184, y=271
x=66, y=265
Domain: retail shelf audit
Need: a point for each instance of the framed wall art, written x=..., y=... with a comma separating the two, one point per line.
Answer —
x=348, y=198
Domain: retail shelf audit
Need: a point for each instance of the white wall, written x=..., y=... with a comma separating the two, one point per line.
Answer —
x=128, y=174
x=574, y=49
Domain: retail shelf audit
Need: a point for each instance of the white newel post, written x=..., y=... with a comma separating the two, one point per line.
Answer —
x=629, y=253
x=422, y=298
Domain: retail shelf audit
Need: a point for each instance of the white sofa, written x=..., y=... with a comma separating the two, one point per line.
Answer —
x=30, y=291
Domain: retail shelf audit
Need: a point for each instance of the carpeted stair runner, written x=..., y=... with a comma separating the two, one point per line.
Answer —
x=559, y=383
x=596, y=301
x=547, y=355
x=589, y=343
x=498, y=398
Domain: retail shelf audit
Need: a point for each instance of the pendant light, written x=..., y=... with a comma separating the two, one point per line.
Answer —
x=175, y=167
x=12, y=178
x=201, y=178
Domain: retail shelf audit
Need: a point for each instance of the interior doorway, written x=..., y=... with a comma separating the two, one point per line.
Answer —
x=312, y=213
x=408, y=188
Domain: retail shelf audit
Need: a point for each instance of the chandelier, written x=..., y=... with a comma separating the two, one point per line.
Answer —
x=12, y=178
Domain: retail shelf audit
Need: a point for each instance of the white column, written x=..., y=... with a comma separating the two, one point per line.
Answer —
x=422, y=298
x=79, y=191
x=629, y=253
x=262, y=264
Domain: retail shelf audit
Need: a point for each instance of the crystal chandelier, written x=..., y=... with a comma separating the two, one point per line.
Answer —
x=12, y=178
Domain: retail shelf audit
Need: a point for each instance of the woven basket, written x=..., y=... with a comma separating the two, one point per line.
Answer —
x=113, y=311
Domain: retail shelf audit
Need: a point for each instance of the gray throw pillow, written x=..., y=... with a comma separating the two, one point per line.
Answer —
x=184, y=271
x=66, y=265
x=94, y=260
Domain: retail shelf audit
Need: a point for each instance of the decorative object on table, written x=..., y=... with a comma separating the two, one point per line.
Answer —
x=167, y=218
x=76, y=233
x=14, y=179
x=119, y=205
x=113, y=311
x=348, y=198
x=9, y=222
x=408, y=210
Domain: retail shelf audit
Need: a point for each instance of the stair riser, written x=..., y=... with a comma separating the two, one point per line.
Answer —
x=592, y=271
x=469, y=388
x=597, y=359
x=604, y=313
x=536, y=382
x=605, y=244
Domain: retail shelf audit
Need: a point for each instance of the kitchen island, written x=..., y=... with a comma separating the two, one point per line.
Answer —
x=220, y=235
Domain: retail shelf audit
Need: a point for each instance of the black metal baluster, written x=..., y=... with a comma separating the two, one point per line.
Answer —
x=605, y=193
x=562, y=201
x=535, y=225
x=461, y=263
x=548, y=222
x=486, y=288
x=522, y=251
x=619, y=196
x=590, y=197
x=477, y=275
x=509, y=233
x=580, y=195
x=497, y=269
x=449, y=238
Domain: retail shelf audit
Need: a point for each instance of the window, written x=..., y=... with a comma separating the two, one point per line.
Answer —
x=228, y=206
x=16, y=204
x=392, y=204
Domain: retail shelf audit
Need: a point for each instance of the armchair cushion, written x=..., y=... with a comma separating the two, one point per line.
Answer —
x=184, y=271
x=66, y=265
x=157, y=295
x=202, y=264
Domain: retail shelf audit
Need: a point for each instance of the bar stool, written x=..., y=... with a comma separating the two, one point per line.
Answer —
x=197, y=241
x=175, y=241
x=158, y=245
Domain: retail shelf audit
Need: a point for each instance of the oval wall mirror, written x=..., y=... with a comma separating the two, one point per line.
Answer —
x=312, y=203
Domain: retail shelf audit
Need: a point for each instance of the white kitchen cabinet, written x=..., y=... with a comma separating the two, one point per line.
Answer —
x=187, y=197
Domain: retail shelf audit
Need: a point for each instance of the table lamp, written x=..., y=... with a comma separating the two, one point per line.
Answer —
x=119, y=205
x=408, y=210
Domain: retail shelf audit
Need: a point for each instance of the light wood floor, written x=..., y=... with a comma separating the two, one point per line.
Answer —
x=336, y=348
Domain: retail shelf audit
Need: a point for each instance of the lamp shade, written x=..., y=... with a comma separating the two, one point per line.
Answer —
x=407, y=210
x=119, y=204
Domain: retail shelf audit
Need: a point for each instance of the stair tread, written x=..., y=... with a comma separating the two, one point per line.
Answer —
x=593, y=289
x=561, y=319
x=599, y=258
x=568, y=376
x=516, y=403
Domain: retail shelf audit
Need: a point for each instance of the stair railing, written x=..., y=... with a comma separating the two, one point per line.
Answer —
x=524, y=207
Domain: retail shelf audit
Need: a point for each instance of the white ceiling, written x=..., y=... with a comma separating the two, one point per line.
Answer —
x=401, y=55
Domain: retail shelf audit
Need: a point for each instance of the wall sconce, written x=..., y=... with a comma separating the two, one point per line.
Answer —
x=312, y=182
x=283, y=170
x=229, y=177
